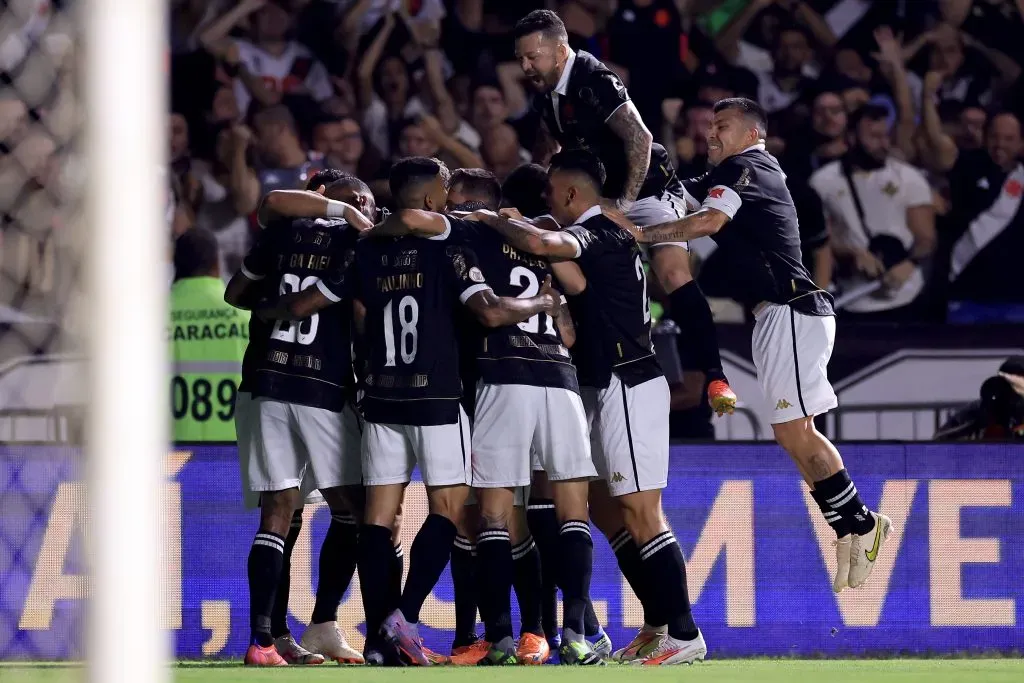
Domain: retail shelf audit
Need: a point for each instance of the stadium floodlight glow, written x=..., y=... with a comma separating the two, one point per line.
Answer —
x=126, y=244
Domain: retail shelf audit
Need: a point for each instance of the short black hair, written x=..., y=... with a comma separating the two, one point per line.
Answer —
x=524, y=189
x=749, y=108
x=867, y=112
x=541, y=21
x=410, y=173
x=479, y=184
x=326, y=177
x=582, y=162
x=196, y=254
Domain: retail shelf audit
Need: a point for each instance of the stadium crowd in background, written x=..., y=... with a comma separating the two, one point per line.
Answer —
x=901, y=99
x=266, y=91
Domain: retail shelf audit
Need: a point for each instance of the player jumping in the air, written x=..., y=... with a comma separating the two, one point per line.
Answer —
x=584, y=105
x=747, y=209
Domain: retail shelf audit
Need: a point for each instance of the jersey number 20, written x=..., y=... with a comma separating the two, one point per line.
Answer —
x=408, y=337
x=524, y=277
x=291, y=330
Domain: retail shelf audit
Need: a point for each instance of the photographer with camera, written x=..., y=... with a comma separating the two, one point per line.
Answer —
x=997, y=415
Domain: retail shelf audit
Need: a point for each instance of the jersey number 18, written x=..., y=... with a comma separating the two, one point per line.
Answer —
x=408, y=337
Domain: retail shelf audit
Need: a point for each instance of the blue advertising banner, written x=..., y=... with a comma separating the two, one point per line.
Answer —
x=759, y=555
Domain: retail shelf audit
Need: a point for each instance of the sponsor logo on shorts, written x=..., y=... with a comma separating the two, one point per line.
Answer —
x=617, y=477
x=783, y=404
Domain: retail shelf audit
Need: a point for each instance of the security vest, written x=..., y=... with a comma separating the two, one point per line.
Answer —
x=208, y=339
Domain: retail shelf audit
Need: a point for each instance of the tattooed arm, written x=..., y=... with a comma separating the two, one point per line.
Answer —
x=700, y=224
x=628, y=125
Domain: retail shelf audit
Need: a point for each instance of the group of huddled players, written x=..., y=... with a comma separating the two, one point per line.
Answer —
x=436, y=337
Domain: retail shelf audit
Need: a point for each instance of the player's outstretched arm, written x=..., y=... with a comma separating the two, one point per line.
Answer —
x=296, y=306
x=529, y=238
x=701, y=224
x=409, y=222
x=305, y=204
x=497, y=311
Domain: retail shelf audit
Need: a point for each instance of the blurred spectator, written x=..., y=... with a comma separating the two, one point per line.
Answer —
x=343, y=146
x=283, y=163
x=500, y=150
x=425, y=136
x=690, y=132
x=271, y=65
x=231, y=192
x=986, y=188
x=787, y=70
x=825, y=142
x=882, y=218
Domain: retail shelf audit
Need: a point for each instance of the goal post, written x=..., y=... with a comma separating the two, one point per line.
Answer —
x=126, y=250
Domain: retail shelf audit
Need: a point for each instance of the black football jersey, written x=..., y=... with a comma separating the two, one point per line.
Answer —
x=308, y=362
x=762, y=240
x=411, y=288
x=531, y=352
x=614, y=314
x=592, y=95
x=259, y=331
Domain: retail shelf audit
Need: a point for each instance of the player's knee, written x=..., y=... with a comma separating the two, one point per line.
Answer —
x=672, y=267
x=494, y=516
x=644, y=521
x=448, y=502
x=277, y=509
x=795, y=436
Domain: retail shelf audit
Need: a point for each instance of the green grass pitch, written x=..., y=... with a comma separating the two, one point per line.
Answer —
x=720, y=671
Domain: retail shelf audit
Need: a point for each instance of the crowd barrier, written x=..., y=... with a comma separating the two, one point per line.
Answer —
x=759, y=554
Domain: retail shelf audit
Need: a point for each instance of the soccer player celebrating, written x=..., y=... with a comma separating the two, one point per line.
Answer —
x=583, y=105
x=624, y=392
x=303, y=422
x=748, y=211
x=402, y=288
x=527, y=401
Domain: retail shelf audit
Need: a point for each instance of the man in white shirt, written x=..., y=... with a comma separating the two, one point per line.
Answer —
x=269, y=65
x=882, y=220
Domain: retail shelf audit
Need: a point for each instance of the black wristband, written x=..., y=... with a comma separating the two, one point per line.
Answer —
x=231, y=69
x=917, y=260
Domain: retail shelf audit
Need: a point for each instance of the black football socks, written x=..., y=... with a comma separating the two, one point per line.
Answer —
x=266, y=557
x=840, y=494
x=494, y=553
x=337, y=564
x=528, y=583
x=464, y=585
x=279, y=613
x=664, y=568
x=577, y=552
x=429, y=555
x=698, y=344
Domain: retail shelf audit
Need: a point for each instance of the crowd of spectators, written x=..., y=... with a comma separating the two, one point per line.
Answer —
x=897, y=122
